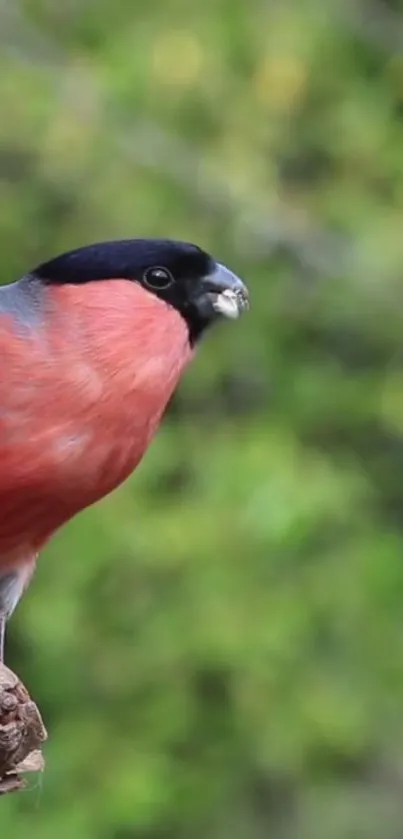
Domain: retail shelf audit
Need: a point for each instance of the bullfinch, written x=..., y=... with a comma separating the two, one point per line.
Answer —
x=92, y=346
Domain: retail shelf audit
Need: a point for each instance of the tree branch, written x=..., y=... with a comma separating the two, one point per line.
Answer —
x=22, y=733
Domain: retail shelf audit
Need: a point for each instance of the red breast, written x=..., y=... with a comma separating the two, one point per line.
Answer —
x=80, y=399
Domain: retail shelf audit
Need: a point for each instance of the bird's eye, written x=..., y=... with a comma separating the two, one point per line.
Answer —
x=158, y=278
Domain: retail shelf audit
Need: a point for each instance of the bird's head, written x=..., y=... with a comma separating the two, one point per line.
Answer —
x=182, y=275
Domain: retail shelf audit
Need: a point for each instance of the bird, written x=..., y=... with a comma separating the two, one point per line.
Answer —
x=93, y=344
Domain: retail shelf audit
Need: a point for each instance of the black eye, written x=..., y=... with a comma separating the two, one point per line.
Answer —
x=158, y=278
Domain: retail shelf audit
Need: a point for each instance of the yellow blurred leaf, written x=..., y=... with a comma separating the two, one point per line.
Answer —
x=280, y=82
x=177, y=58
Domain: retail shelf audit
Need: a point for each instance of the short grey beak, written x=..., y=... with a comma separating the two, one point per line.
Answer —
x=229, y=295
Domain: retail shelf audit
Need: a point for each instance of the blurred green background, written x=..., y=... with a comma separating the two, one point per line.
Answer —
x=217, y=648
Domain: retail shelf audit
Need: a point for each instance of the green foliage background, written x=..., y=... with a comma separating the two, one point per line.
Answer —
x=218, y=647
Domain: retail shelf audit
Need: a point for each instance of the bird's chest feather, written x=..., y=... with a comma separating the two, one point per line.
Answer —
x=81, y=398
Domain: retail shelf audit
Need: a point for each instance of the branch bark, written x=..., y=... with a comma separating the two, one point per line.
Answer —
x=22, y=733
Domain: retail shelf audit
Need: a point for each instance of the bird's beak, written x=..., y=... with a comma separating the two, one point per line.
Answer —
x=225, y=293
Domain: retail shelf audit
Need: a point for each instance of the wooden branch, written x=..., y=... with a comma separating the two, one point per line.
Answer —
x=22, y=733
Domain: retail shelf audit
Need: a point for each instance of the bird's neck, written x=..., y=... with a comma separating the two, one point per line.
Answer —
x=120, y=330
